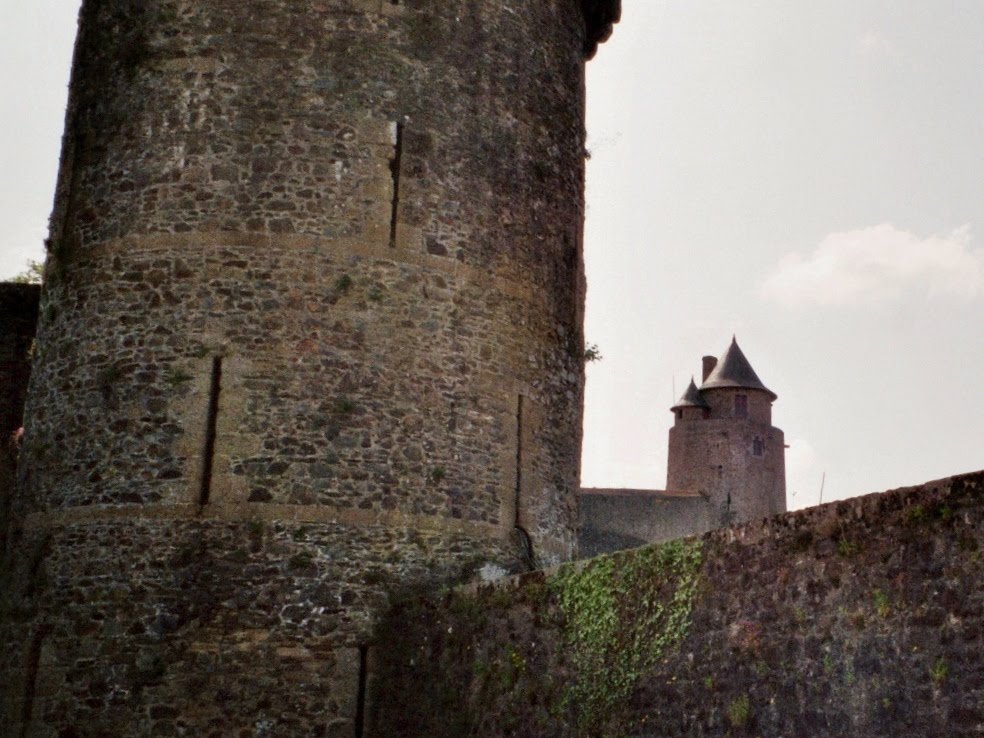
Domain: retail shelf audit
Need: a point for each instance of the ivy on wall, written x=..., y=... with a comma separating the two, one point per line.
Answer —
x=620, y=616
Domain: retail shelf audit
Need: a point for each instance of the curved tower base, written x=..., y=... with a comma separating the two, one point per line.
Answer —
x=207, y=627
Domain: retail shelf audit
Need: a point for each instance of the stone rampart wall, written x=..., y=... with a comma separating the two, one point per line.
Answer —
x=616, y=519
x=863, y=617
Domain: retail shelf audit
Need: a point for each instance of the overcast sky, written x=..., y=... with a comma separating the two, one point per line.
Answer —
x=806, y=175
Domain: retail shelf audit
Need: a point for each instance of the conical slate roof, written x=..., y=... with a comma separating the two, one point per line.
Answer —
x=691, y=398
x=733, y=370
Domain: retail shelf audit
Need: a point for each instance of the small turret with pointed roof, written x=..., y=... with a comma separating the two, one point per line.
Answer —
x=691, y=398
x=733, y=370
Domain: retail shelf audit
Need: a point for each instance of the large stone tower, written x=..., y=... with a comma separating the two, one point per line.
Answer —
x=311, y=333
x=723, y=445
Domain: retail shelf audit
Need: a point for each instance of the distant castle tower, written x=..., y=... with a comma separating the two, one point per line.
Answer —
x=311, y=333
x=726, y=465
x=723, y=444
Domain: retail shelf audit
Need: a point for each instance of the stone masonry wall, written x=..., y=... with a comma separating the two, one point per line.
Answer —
x=722, y=403
x=616, y=519
x=311, y=334
x=204, y=627
x=368, y=212
x=862, y=617
x=714, y=457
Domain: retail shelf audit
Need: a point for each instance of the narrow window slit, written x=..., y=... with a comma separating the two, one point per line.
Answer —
x=208, y=452
x=525, y=541
x=395, y=165
x=31, y=680
x=519, y=461
x=360, y=704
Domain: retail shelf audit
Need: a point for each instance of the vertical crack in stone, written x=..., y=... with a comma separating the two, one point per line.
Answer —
x=31, y=680
x=360, y=704
x=208, y=452
x=519, y=461
x=525, y=542
x=395, y=165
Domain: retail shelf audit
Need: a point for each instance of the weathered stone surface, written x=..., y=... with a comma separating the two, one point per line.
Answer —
x=371, y=212
x=311, y=334
x=205, y=626
x=860, y=617
x=617, y=519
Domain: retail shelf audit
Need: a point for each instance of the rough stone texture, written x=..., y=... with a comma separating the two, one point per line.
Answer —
x=18, y=321
x=204, y=627
x=308, y=420
x=617, y=519
x=862, y=617
x=228, y=182
x=311, y=333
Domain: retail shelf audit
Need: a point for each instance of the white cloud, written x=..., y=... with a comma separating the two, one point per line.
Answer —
x=874, y=43
x=876, y=265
